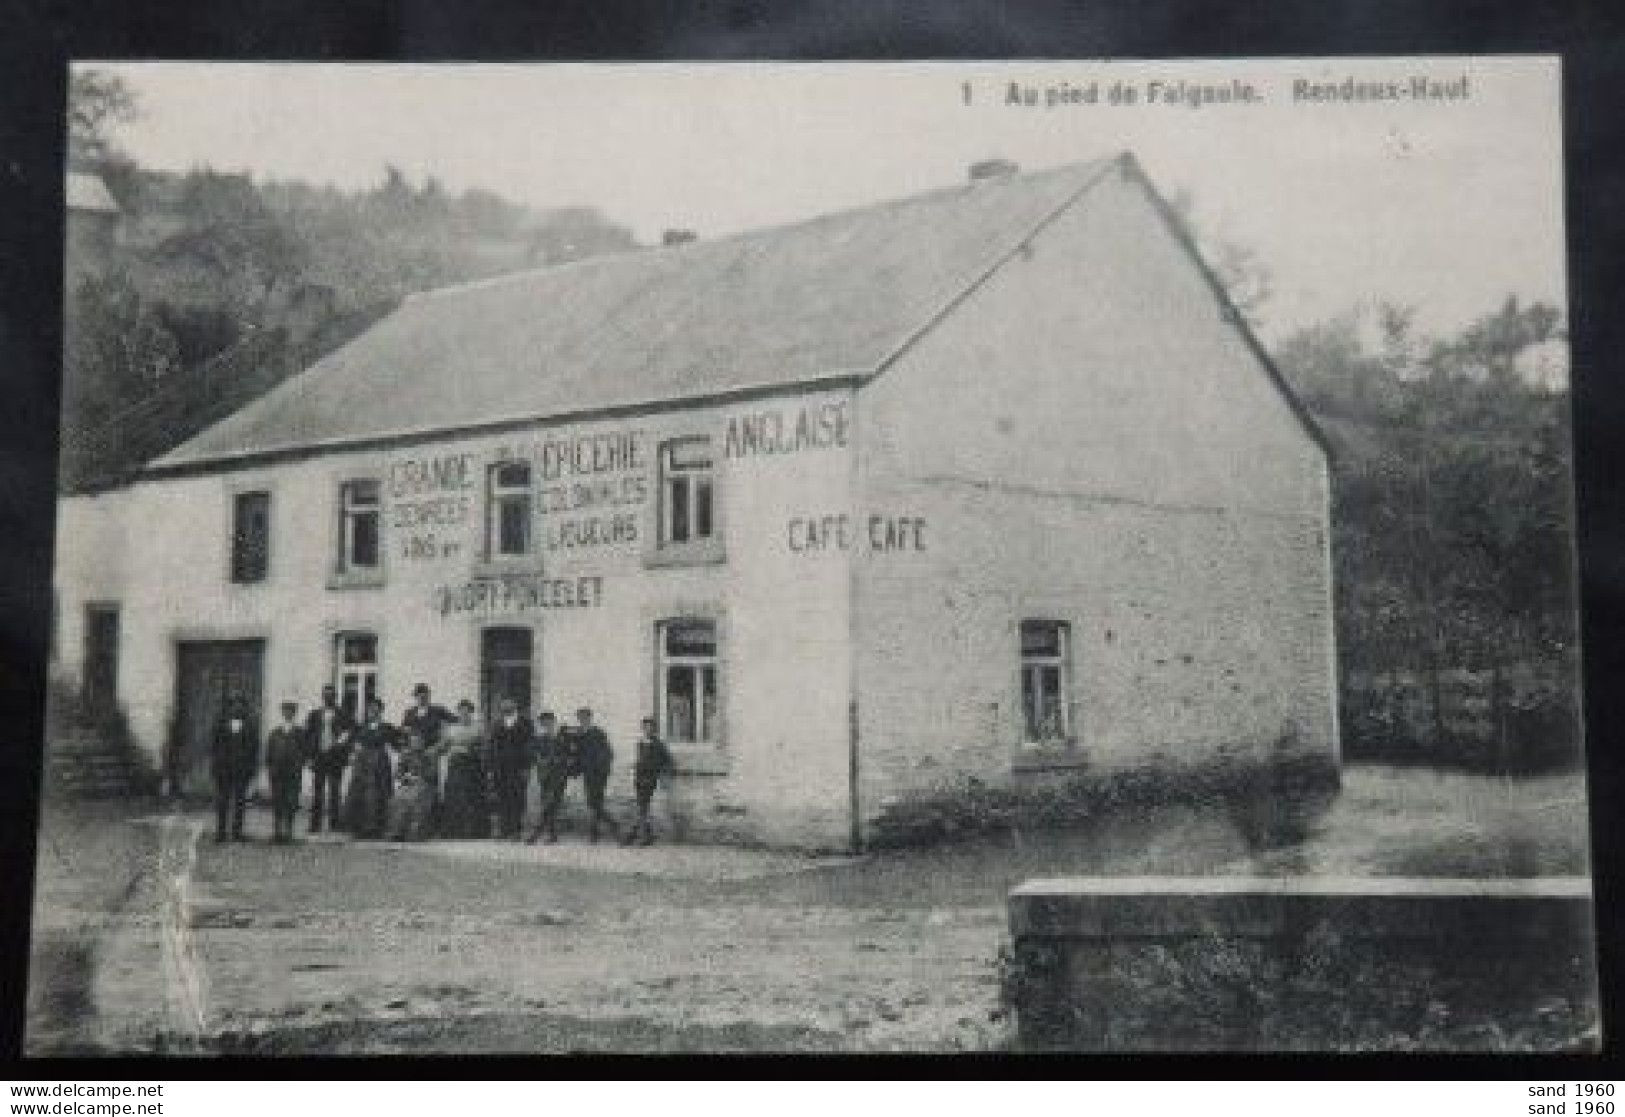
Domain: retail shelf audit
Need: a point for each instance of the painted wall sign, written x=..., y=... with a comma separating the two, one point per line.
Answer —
x=836, y=531
x=428, y=496
x=588, y=486
x=589, y=531
x=820, y=533
x=896, y=533
x=599, y=493
x=586, y=454
x=418, y=475
x=787, y=430
x=564, y=527
x=519, y=593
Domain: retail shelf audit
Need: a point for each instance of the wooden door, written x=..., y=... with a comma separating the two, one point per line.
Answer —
x=101, y=657
x=506, y=669
x=208, y=672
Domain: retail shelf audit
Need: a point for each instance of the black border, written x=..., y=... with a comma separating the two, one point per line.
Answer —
x=39, y=37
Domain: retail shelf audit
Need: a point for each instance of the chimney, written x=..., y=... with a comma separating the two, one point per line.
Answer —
x=677, y=236
x=985, y=169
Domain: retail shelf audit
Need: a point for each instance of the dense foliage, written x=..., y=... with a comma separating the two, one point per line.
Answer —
x=1452, y=520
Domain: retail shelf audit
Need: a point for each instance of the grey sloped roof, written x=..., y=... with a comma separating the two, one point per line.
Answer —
x=85, y=191
x=833, y=296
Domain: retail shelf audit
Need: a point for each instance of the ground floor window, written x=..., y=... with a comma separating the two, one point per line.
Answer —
x=687, y=680
x=506, y=655
x=356, y=670
x=1046, y=674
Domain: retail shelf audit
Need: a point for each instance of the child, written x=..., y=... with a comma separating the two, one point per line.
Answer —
x=653, y=761
x=285, y=763
x=412, y=805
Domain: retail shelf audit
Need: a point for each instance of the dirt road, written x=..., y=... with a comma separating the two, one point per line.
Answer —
x=149, y=940
x=464, y=946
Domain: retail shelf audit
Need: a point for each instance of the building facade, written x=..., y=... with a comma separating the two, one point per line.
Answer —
x=988, y=482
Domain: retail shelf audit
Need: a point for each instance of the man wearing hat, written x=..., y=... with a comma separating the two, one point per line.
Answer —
x=510, y=745
x=233, y=756
x=285, y=764
x=425, y=718
x=327, y=737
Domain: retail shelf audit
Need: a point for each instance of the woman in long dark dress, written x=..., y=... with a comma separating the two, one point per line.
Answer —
x=464, y=812
x=411, y=811
x=366, y=808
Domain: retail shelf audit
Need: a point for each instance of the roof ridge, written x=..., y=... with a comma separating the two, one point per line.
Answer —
x=648, y=340
x=609, y=259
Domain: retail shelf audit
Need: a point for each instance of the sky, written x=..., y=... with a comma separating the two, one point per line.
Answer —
x=1447, y=205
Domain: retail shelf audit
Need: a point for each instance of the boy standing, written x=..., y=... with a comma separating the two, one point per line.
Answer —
x=553, y=763
x=653, y=761
x=285, y=763
x=596, y=760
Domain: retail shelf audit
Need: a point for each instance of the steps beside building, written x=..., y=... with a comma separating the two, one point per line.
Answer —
x=88, y=754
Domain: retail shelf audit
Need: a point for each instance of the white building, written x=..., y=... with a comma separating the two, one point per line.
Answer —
x=990, y=481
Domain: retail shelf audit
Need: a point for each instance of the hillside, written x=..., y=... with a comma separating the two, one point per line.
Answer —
x=208, y=289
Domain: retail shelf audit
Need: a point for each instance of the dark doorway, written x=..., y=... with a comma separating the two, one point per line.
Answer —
x=100, y=684
x=505, y=668
x=207, y=673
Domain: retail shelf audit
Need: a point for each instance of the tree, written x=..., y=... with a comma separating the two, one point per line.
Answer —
x=115, y=349
x=243, y=250
x=97, y=101
x=1245, y=277
x=1451, y=519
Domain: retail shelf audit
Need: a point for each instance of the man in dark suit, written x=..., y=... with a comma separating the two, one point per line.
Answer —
x=233, y=756
x=285, y=755
x=596, y=759
x=327, y=736
x=510, y=756
x=426, y=718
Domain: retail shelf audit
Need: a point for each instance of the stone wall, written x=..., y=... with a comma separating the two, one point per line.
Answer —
x=1206, y=963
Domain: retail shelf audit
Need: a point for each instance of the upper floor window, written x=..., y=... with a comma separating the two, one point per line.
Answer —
x=1046, y=673
x=359, y=516
x=509, y=514
x=686, y=487
x=687, y=681
x=250, y=536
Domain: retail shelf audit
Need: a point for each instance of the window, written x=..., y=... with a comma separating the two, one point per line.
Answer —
x=687, y=681
x=685, y=491
x=508, y=513
x=505, y=668
x=250, y=536
x=358, y=524
x=101, y=657
x=356, y=670
x=1046, y=673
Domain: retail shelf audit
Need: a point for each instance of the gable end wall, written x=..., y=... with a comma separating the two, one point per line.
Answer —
x=1088, y=439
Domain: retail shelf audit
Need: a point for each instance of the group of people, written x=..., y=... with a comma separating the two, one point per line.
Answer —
x=434, y=774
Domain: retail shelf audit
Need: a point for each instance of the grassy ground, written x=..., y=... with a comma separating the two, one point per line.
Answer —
x=372, y=948
x=1421, y=822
